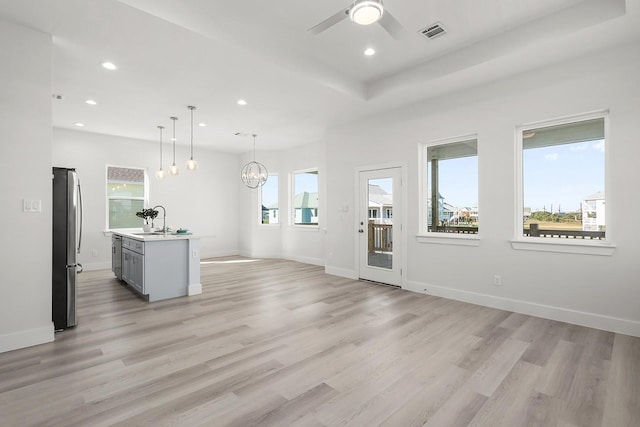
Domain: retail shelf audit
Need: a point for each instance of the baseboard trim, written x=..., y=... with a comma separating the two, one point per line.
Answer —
x=591, y=320
x=195, y=289
x=26, y=338
x=341, y=272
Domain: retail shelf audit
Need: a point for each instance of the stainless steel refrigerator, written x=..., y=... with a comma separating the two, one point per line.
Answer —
x=67, y=239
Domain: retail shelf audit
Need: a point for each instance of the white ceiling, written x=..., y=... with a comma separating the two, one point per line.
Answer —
x=210, y=53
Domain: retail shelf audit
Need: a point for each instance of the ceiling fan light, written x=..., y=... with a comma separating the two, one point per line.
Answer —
x=366, y=12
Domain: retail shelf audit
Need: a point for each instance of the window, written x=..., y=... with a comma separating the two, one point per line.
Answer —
x=305, y=197
x=563, y=180
x=269, y=201
x=451, y=183
x=126, y=195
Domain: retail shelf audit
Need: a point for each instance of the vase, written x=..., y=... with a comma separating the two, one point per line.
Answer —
x=146, y=228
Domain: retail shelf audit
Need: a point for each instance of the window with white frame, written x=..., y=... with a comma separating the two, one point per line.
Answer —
x=451, y=186
x=562, y=174
x=269, y=201
x=305, y=197
x=126, y=195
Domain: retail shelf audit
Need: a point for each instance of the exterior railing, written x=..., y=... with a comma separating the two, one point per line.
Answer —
x=454, y=229
x=532, y=231
x=380, y=237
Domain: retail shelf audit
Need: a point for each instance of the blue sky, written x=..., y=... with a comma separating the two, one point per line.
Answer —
x=303, y=182
x=558, y=176
x=270, y=191
x=562, y=175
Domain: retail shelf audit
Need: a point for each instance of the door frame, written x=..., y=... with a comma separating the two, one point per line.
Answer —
x=403, y=220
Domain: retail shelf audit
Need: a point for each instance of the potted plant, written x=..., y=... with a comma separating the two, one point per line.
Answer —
x=147, y=214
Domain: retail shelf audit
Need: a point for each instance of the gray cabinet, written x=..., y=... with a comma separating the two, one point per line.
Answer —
x=158, y=269
x=133, y=269
x=116, y=255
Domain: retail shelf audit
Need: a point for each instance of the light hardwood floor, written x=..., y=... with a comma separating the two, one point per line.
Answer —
x=273, y=342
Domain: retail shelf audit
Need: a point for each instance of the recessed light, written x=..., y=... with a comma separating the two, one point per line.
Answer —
x=202, y=125
x=242, y=102
x=109, y=65
x=369, y=51
x=79, y=124
x=91, y=102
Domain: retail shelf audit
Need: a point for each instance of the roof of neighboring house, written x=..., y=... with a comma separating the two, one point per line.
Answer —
x=376, y=189
x=449, y=207
x=596, y=196
x=379, y=197
x=306, y=200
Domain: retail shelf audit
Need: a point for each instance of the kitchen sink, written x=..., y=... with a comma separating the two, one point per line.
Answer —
x=149, y=233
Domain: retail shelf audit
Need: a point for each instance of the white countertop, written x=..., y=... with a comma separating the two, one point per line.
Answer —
x=153, y=236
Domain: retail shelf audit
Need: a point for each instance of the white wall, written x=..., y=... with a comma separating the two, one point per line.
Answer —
x=299, y=243
x=257, y=240
x=25, y=153
x=204, y=201
x=599, y=291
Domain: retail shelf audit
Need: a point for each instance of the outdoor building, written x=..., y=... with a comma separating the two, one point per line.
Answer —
x=593, y=209
x=270, y=214
x=306, y=208
x=380, y=203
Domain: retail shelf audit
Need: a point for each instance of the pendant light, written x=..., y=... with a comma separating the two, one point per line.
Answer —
x=254, y=174
x=160, y=172
x=173, y=170
x=192, y=165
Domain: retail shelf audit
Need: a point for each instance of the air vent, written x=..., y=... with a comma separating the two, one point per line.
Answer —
x=432, y=31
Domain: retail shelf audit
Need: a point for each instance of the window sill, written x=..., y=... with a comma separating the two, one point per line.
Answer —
x=449, y=239
x=569, y=247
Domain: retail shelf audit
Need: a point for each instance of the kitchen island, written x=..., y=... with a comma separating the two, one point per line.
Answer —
x=158, y=265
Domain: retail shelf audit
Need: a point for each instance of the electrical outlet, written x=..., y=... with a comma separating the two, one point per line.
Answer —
x=497, y=280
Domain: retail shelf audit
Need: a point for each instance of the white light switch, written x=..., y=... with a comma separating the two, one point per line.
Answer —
x=32, y=206
x=194, y=253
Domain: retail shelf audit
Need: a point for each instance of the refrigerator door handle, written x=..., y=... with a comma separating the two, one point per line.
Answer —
x=81, y=215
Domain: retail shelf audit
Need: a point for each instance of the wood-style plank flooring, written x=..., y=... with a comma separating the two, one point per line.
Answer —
x=279, y=343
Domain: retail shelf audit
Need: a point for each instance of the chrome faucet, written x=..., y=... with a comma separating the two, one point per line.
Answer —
x=164, y=217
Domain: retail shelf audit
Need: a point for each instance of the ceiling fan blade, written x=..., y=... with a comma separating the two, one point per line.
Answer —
x=329, y=22
x=391, y=24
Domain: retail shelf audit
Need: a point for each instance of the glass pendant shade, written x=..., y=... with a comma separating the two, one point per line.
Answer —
x=254, y=174
x=160, y=172
x=173, y=170
x=192, y=165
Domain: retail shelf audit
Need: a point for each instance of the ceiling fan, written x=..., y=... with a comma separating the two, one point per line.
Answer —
x=363, y=12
